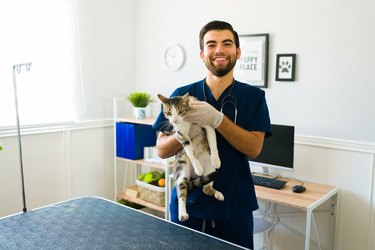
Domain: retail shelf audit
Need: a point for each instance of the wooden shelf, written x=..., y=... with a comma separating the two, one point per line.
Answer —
x=141, y=202
x=145, y=163
x=146, y=121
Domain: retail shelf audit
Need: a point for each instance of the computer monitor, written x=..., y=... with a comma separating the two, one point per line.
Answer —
x=278, y=150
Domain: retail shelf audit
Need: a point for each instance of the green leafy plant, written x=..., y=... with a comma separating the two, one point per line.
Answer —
x=1, y=147
x=140, y=99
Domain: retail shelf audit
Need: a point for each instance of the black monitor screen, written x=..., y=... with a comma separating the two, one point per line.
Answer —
x=278, y=149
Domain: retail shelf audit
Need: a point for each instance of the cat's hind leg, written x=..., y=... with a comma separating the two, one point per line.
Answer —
x=209, y=190
x=181, y=178
x=182, y=188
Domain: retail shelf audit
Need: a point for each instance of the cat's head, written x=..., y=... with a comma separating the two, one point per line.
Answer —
x=175, y=108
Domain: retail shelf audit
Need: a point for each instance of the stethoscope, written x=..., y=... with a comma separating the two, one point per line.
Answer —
x=225, y=100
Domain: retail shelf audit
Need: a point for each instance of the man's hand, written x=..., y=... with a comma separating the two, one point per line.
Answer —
x=202, y=113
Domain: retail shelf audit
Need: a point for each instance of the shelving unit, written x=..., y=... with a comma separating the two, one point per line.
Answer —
x=164, y=166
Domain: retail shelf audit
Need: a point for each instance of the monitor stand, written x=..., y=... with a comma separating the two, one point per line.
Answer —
x=266, y=171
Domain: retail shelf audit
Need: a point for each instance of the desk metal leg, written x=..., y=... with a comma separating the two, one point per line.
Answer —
x=330, y=195
x=308, y=228
x=334, y=206
x=316, y=232
x=309, y=219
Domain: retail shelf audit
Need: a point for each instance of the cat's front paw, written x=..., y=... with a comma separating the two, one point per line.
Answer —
x=219, y=196
x=198, y=169
x=183, y=217
x=179, y=137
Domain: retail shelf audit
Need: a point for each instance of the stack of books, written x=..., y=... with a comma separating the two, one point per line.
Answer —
x=132, y=191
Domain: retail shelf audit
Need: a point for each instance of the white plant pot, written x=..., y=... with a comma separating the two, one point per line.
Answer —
x=140, y=113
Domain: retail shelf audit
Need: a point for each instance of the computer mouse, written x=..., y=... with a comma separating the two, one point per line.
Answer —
x=298, y=189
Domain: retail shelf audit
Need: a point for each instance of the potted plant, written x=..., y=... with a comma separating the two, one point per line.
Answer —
x=140, y=100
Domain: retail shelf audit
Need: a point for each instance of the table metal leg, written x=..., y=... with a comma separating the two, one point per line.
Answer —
x=333, y=221
x=308, y=228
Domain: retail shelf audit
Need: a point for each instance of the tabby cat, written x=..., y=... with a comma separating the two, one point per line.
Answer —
x=195, y=165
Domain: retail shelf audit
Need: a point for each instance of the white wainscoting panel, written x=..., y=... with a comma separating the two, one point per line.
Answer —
x=347, y=165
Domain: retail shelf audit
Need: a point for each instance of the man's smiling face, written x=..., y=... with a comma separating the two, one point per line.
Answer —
x=219, y=52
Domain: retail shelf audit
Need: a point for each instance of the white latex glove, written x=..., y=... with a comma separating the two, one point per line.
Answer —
x=203, y=113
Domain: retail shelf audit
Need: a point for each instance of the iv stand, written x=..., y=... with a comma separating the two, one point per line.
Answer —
x=17, y=69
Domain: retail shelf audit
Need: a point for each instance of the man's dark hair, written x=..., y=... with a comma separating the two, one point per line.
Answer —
x=218, y=25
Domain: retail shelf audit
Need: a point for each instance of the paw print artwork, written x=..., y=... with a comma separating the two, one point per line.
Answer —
x=285, y=67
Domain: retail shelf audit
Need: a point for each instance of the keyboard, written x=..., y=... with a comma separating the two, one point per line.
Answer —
x=268, y=182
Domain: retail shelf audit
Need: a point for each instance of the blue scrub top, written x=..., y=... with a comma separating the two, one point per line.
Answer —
x=234, y=176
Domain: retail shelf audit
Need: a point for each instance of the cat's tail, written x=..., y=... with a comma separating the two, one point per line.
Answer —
x=201, y=181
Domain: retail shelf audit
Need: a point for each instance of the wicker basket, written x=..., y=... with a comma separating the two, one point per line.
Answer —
x=151, y=193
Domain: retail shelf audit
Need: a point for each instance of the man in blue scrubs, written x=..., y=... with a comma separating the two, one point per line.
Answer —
x=240, y=115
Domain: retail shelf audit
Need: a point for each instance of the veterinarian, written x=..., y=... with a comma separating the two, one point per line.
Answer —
x=240, y=115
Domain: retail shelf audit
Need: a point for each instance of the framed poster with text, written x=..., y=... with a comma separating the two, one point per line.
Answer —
x=252, y=66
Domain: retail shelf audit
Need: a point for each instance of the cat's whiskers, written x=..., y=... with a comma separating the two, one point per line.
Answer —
x=166, y=126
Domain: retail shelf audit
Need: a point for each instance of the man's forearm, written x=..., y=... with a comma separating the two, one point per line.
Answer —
x=247, y=142
x=167, y=145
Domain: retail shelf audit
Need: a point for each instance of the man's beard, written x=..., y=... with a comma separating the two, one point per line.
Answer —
x=221, y=71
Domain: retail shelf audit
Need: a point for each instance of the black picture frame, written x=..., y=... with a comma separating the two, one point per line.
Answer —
x=285, y=67
x=252, y=66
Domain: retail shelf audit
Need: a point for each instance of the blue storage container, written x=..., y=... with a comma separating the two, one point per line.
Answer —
x=132, y=138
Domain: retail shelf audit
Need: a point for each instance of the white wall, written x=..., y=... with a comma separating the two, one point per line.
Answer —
x=122, y=45
x=332, y=96
x=349, y=166
x=107, y=30
x=58, y=164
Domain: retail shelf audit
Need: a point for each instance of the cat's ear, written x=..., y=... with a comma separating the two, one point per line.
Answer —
x=163, y=98
x=186, y=96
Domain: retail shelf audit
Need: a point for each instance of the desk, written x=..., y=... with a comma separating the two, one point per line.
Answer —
x=96, y=223
x=313, y=197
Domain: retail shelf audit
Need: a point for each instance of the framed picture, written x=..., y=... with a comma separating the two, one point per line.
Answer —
x=285, y=67
x=252, y=67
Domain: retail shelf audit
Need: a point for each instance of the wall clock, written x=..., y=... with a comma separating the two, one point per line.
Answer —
x=174, y=57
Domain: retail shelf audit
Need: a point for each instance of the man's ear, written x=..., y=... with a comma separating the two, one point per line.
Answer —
x=238, y=53
x=201, y=55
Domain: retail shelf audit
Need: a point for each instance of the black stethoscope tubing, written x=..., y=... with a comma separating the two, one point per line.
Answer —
x=223, y=101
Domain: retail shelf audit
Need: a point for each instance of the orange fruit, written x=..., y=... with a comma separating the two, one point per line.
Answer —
x=161, y=182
